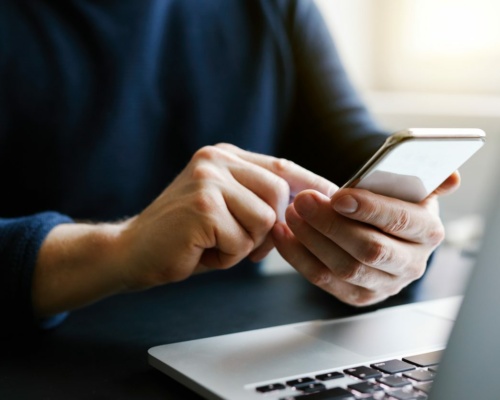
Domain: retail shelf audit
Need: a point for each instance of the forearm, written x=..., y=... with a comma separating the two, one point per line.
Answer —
x=77, y=265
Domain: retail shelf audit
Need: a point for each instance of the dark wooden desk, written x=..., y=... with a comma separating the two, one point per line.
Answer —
x=100, y=351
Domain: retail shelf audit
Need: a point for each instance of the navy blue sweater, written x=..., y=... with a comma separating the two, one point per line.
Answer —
x=102, y=103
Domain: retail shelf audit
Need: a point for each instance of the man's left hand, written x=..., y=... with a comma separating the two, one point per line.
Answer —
x=359, y=246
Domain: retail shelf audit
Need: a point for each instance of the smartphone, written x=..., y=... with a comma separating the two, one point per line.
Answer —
x=412, y=163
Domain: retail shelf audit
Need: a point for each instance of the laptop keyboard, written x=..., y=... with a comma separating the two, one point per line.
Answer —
x=407, y=379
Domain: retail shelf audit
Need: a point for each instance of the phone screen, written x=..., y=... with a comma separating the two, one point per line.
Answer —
x=414, y=168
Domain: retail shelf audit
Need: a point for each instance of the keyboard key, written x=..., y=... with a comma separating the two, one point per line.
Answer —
x=393, y=366
x=366, y=387
x=420, y=375
x=425, y=360
x=329, y=394
x=394, y=381
x=311, y=387
x=402, y=394
x=423, y=386
x=299, y=381
x=363, y=372
x=329, y=376
x=270, y=388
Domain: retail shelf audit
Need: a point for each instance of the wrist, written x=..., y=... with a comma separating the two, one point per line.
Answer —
x=78, y=264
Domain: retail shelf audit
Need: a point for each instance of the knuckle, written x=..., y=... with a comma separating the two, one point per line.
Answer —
x=400, y=223
x=205, y=203
x=355, y=272
x=204, y=172
x=225, y=146
x=280, y=191
x=376, y=253
x=282, y=188
x=262, y=225
x=280, y=165
x=206, y=153
x=267, y=219
x=369, y=211
x=247, y=246
x=436, y=234
x=319, y=278
x=210, y=154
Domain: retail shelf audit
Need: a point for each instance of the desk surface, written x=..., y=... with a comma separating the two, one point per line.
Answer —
x=100, y=352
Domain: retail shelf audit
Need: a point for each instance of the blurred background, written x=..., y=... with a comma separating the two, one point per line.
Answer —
x=429, y=63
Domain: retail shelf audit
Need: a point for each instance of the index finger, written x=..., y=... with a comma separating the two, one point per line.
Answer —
x=451, y=184
x=297, y=177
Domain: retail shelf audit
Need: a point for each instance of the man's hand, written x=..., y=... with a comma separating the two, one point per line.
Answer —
x=359, y=246
x=220, y=209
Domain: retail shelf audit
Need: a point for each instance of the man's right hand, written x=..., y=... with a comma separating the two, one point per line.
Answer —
x=220, y=209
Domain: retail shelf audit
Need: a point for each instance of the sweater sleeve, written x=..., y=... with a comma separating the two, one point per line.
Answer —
x=20, y=241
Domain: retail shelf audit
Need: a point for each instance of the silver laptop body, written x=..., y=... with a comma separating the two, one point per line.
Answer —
x=237, y=366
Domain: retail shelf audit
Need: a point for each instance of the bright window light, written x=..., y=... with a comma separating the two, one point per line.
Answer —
x=453, y=27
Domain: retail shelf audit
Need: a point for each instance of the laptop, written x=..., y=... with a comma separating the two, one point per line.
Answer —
x=446, y=349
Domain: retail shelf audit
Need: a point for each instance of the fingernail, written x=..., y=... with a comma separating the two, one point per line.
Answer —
x=306, y=206
x=346, y=205
x=278, y=231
